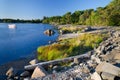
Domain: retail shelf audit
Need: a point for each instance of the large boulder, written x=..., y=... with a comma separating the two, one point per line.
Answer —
x=39, y=72
x=49, y=32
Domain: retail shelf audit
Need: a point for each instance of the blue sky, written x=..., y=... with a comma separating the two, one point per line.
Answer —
x=36, y=9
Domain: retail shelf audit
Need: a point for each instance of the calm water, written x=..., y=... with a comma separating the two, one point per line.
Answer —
x=22, y=41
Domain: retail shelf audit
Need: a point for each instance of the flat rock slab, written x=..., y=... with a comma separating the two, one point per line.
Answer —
x=107, y=76
x=108, y=68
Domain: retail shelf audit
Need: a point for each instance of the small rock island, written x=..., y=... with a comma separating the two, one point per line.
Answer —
x=49, y=32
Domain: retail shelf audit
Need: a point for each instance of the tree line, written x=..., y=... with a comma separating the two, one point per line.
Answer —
x=102, y=16
x=19, y=21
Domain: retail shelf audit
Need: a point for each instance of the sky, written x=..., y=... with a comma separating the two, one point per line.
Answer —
x=36, y=9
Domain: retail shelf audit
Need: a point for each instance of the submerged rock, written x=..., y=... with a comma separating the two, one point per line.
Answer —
x=11, y=72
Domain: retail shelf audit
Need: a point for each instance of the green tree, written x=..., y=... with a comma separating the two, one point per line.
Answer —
x=67, y=18
x=75, y=16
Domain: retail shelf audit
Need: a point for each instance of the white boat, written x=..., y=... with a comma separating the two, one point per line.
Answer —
x=12, y=26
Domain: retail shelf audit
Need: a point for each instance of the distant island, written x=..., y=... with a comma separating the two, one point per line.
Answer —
x=7, y=20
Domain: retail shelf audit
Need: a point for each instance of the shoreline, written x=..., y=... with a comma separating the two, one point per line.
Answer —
x=19, y=64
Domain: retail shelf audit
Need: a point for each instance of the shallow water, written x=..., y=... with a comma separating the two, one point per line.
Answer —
x=22, y=41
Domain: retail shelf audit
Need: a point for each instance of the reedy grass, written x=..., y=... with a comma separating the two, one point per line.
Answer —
x=70, y=47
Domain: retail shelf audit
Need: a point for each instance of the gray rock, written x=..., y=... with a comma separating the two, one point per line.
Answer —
x=92, y=64
x=11, y=72
x=87, y=29
x=72, y=64
x=100, y=50
x=85, y=69
x=57, y=68
x=76, y=60
x=65, y=68
x=90, y=53
x=54, y=71
x=117, y=34
x=25, y=74
x=27, y=78
x=95, y=59
x=81, y=64
x=16, y=77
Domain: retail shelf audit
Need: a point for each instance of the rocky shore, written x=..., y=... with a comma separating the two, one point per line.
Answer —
x=102, y=63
